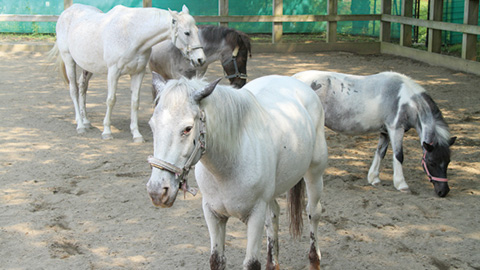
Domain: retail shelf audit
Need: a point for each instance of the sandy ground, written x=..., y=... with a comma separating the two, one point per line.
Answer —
x=70, y=201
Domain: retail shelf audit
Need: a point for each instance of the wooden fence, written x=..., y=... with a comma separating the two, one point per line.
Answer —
x=470, y=30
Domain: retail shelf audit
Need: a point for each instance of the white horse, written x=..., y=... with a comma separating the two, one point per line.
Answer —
x=118, y=42
x=257, y=144
x=389, y=103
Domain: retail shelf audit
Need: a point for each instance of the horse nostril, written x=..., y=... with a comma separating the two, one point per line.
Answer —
x=201, y=61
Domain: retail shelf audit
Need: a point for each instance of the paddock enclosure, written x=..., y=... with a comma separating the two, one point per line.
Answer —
x=70, y=201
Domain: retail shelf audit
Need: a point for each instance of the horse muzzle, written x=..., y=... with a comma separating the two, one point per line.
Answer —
x=196, y=56
x=441, y=188
x=162, y=194
x=197, y=62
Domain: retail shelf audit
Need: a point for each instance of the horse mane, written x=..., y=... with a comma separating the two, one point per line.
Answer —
x=229, y=113
x=440, y=129
x=215, y=34
x=438, y=132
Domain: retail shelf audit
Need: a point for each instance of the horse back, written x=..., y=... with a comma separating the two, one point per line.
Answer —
x=361, y=104
x=294, y=121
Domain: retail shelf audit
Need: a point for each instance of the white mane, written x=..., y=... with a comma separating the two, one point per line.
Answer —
x=230, y=114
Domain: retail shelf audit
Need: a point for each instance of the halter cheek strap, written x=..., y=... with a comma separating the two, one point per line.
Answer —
x=425, y=168
x=233, y=59
x=182, y=173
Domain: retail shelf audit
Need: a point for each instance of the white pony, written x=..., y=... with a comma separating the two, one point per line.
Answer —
x=257, y=143
x=118, y=42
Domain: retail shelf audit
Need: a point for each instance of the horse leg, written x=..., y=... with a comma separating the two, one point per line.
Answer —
x=255, y=224
x=216, y=228
x=271, y=225
x=113, y=76
x=83, y=86
x=374, y=171
x=314, y=182
x=136, y=83
x=396, y=137
x=70, y=69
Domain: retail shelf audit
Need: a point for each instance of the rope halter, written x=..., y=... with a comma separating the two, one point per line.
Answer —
x=425, y=168
x=181, y=173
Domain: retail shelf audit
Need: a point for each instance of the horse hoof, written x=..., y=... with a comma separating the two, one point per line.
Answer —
x=138, y=140
x=88, y=125
x=81, y=130
x=107, y=136
x=405, y=190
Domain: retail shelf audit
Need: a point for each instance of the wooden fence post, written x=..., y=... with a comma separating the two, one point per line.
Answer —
x=277, y=31
x=67, y=4
x=384, y=25
x=223, y=10
x=435, y=36
x=469, y=43
x=147, y=3
x=332, y=6
x=405, y=29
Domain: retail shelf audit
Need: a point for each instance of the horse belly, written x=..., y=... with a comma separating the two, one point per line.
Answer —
x=348, y=114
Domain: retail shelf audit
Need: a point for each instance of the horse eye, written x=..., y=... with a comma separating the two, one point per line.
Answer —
x=187, y=130
x=187, y=34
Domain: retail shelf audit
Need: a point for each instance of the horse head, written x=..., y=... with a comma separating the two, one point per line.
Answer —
x=235, y=65
x=435, y=162
x=185, y=37
x=178, y=126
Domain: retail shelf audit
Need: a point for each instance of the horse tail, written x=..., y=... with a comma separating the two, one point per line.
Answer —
x=54, y=54
x=296, y=205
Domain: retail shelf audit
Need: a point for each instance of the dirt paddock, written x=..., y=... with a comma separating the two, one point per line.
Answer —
x=70, y=201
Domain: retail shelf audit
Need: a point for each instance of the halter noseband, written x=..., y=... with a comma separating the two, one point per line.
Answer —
x=425, y=168
x=233, y=59
x=182, y=172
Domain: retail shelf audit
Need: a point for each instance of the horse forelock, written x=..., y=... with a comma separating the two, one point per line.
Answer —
x=177, y=92
x=186, y=18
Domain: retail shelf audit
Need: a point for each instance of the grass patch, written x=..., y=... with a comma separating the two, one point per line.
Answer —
x=16, y=37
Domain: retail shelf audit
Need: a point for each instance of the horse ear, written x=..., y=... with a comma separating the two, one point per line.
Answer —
x=452, y=141
x=206, y=91
x=185, y=10
x=158, y=83
x=428, y=147
x=174, y=15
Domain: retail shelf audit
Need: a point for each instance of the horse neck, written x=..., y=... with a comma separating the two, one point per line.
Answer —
x=215, y=43
x=153, y=35
x=231, y=117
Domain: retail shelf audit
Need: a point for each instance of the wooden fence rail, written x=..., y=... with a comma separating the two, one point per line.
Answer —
x=469, y=29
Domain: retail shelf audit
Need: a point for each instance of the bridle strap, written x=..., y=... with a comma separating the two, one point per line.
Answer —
x=237, y=73
x=165, y=166
x=425, y=168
